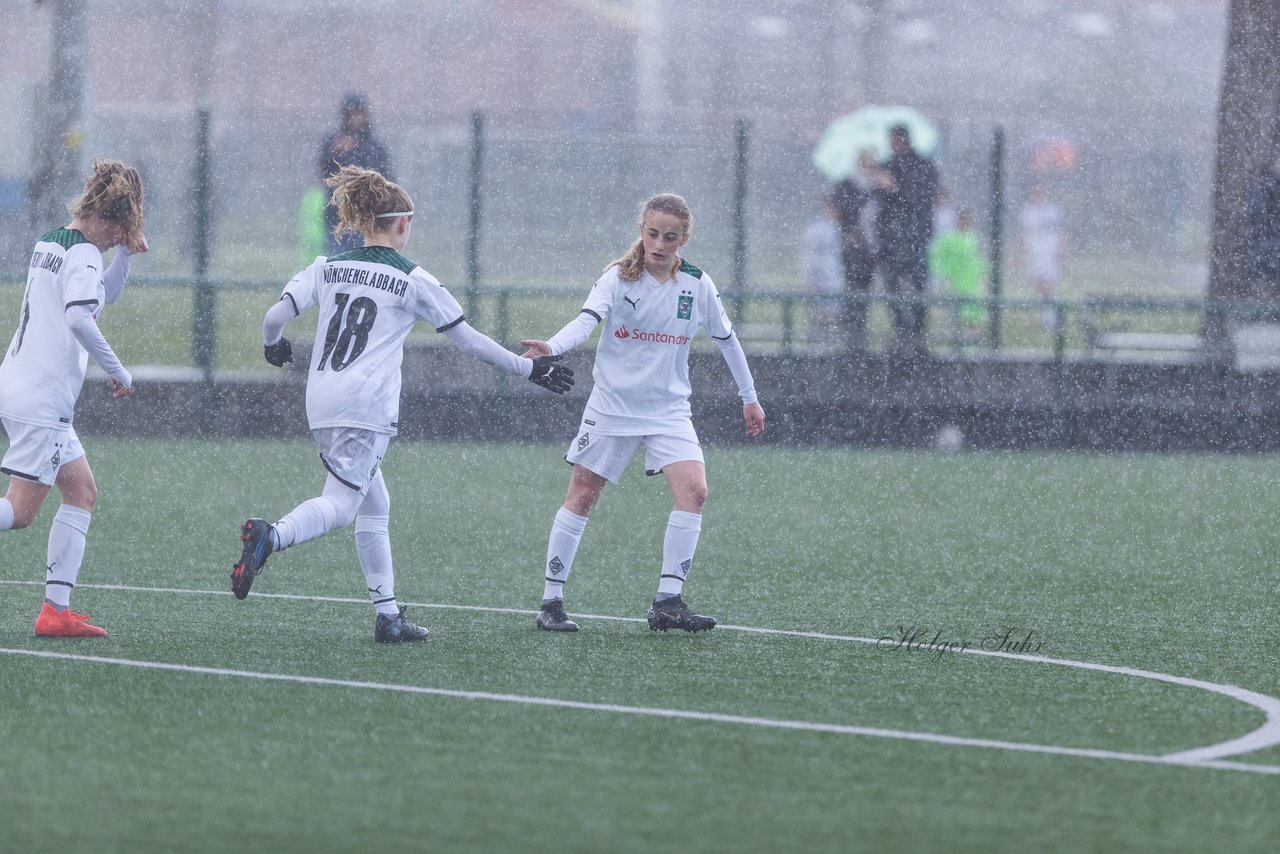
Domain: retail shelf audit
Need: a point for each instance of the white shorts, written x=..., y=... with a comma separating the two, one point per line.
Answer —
x=351, y=455
x=36, y=453
x=608, y=456
x=1045, y=268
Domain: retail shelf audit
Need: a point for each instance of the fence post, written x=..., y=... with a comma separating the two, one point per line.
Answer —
x=997, y=230
x=204, y=314
x=473, y=231
x=1061, y=427
x=740, y=224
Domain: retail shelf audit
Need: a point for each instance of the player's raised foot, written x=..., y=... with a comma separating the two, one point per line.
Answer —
x=396, y=629
x=52, y=623
x=552, y=618
x=256, y=536
x=673, y=613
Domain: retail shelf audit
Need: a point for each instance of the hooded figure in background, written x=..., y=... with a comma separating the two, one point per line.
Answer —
x=352, y=144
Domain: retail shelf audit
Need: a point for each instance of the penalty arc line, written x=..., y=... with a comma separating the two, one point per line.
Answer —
x=681, y=714
x=1266, y=735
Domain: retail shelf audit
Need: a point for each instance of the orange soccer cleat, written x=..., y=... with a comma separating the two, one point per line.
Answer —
x=53, y=623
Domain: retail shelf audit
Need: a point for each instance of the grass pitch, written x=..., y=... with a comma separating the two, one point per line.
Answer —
x=208, y=724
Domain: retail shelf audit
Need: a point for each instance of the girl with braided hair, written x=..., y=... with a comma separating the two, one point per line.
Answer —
x=44, y=369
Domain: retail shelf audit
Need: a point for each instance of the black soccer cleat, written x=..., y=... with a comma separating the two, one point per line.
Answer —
x=674, y=614
x=552, y=618
x=256, y=536
x=396, y=629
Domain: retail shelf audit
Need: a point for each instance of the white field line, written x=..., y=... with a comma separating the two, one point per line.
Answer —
x=1209, y=756
x=711, y=717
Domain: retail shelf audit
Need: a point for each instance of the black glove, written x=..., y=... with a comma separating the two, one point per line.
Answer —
x=279, y=352
x=549, y=375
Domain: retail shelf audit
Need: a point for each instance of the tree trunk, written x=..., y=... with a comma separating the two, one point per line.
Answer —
x=1248, y=135
x=61, y=129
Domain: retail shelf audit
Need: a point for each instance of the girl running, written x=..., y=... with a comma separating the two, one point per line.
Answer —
x=369, y=299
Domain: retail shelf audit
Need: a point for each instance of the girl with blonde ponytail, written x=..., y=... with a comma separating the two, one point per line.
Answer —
x=369, y=300
x=652, y=303
x=44, y=369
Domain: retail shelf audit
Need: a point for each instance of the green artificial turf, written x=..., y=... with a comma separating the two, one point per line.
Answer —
x=1157, y=563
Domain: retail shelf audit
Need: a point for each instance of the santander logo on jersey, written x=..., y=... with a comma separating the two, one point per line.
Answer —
x=652, y=337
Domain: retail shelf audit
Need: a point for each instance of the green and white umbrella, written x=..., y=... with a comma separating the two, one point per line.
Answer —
x=868, y=128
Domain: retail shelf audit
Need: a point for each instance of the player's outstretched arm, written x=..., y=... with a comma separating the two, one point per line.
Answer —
x=535, y=348
x=541, y=371
x=570, y=335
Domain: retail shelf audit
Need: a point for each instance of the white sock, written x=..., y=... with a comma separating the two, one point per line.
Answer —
x=336, y=507
x=67, y=538
x=678, y=546
x=6, y=514
x=373, y=546
x=566, y=534
x=310, y=520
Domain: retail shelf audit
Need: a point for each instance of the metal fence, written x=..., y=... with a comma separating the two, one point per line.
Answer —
x=214, y=325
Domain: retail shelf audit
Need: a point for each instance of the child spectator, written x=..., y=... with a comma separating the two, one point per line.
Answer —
x=956, y=260
x=822, y=269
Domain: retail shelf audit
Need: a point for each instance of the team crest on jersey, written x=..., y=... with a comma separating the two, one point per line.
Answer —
x=57, y=458
x=684, y=310
x=584, y=440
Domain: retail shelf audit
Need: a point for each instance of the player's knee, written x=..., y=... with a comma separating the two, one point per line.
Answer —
x=22, y=519
x=697, y=495
x=83, y=495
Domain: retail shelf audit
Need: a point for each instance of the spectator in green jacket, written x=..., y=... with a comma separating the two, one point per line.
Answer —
x=955, y=259
x=311, y=224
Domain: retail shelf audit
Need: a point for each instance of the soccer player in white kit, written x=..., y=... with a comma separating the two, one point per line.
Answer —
x=44, y=369
x=651, y=303
x=1044, y=240
x=369, y=300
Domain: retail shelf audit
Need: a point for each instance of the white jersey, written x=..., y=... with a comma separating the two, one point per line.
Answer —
x=641, y=372
x=44, y=367
x=369, y=300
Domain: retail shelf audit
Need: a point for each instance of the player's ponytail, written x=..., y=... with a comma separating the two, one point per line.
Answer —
x=631, y=265
x=364, y=198
x=114, y=193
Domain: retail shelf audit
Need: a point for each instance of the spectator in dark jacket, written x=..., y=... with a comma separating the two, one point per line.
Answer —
x=1262, y=249
x=352, y=144
x=906, y=230
x=855, y=199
